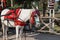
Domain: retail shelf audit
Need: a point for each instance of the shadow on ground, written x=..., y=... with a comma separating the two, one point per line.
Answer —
x=37, y=36
x=44, y=36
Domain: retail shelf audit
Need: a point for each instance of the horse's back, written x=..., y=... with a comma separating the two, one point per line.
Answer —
x=4, y=11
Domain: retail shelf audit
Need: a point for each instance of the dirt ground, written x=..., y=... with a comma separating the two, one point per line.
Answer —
x=34, y=36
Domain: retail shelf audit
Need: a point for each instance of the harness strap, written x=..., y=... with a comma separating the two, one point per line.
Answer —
x=12, y=14
x=9, y=14
x=18, y=14
x=18, y=11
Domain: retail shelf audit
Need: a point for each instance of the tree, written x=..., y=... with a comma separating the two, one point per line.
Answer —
x=8, y=3
x=59, y=4
x=44, y=7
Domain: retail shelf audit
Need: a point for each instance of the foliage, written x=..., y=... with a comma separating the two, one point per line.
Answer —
x=57, y=28
x=8, y=3
x=59, y=2
x=14, y=7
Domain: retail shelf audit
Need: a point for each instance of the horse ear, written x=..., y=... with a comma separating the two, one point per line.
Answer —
x=32, y=4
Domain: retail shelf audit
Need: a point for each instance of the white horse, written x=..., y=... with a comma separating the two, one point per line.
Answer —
x=24, y=15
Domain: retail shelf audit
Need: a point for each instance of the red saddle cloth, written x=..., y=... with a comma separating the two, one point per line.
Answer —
x=14, y=14
x=18, y=22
